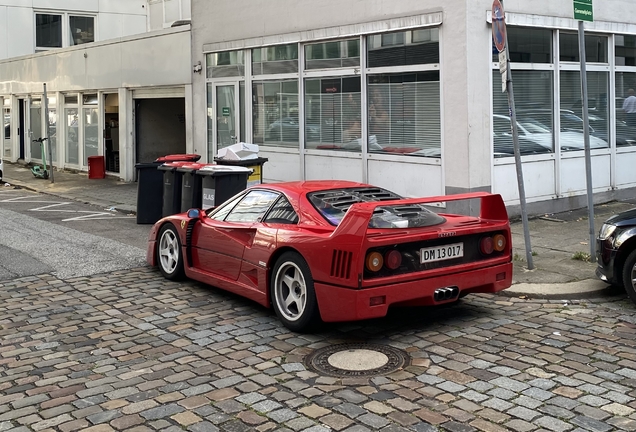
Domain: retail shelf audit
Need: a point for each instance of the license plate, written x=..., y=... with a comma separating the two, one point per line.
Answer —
x=441, y=253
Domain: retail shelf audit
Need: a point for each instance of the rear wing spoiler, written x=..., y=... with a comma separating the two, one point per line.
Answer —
x=356, y=221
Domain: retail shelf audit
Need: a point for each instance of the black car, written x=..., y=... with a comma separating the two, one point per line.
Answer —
x=616, y=251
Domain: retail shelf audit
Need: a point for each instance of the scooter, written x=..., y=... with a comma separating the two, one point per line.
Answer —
x=40, y=171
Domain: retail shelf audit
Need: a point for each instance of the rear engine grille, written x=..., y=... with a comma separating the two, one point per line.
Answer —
x=341, y=264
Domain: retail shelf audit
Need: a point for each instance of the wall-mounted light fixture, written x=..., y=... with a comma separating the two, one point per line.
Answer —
x=197, y=68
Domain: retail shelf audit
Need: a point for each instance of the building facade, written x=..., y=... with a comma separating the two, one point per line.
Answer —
x=407, y=95
x=118, y=79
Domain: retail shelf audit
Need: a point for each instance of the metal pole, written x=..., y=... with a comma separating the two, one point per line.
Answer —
x=46, y=133
x=515, y=142
x=586, y=140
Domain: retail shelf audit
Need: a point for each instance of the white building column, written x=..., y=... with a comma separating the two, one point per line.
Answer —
x=126, y=135
x=190, y=147
x=465, y=67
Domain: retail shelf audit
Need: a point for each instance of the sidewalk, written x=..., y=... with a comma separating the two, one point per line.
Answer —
x=555, y=239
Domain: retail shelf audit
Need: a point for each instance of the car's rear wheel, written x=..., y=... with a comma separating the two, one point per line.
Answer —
x=629, y=275
x=293, y=295
x=169, y=254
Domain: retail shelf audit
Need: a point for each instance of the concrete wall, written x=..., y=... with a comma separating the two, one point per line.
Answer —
x=152, y=59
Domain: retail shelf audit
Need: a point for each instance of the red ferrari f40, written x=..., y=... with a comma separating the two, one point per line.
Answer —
x=337, y=250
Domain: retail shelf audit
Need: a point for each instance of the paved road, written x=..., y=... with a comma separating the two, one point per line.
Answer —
x=129, y=350
x=90, y=339
x=43, y=234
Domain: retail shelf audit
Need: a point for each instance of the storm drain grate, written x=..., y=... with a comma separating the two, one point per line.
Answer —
x=356, y=360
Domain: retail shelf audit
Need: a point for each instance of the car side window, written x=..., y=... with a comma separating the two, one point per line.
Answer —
x=223, y=210
x=252, y=207
x=282, y=212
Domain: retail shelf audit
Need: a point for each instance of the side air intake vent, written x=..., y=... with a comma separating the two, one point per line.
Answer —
x=341, y=264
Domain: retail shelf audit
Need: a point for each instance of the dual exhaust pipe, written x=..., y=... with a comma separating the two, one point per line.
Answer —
x=447, y=293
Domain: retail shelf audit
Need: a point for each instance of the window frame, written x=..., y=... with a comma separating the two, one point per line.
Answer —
x=65, y=28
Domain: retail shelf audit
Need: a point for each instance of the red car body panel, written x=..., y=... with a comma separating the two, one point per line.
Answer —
x=239, y=257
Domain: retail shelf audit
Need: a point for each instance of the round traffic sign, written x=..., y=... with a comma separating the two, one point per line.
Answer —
x=498, y=25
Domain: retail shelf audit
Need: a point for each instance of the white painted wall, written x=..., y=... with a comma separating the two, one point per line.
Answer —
x=114, y=18
x=163, y=13
x=149, y=60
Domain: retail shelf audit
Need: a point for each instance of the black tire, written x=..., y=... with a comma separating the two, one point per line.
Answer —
x=170, y=253
x=629, y=275
x=291, y=277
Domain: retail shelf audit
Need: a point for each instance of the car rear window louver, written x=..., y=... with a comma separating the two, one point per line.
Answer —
x=341, y=264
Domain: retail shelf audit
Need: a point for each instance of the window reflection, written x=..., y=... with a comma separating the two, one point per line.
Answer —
x=253, y=207
x=332, y=113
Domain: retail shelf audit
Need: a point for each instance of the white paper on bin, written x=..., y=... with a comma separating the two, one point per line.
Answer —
x=226, y=168
x=239, y=151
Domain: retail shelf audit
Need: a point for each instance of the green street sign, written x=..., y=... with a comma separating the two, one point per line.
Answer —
x=226, y=111
x=583, y=10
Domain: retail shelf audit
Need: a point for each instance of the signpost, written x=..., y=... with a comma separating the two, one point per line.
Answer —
x=500, y=39
x=583, y=12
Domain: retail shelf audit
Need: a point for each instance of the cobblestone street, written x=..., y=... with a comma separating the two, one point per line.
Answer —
x=132, y=351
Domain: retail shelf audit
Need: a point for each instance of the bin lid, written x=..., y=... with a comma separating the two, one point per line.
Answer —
x=191, y=166
x=223, y=169
x=148, y=165
x=245, y=162
x=190, y=157
x=173, y=165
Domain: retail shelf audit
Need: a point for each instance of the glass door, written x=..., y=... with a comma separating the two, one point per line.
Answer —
x=35, y=119
x=230, y=113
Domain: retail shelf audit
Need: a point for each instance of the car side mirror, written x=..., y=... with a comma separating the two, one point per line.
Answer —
x=195, y=213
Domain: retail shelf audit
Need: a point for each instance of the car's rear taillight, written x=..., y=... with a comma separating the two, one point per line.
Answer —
x=374, y=261
x=392, y=259
x=496, y=243
x=486, y=245
x=499, y=242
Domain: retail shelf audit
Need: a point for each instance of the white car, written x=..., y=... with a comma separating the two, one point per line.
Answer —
x=1, y=169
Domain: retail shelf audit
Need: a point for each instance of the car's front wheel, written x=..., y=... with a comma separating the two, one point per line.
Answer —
x=629, y=275
x=169, y=253
x=292, y=292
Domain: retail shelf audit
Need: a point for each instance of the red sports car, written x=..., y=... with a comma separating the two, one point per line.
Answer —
x=337, y=250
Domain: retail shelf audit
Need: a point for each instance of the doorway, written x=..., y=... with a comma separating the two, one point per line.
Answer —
x=111, y=132
x=230, y=113
x=21, y=122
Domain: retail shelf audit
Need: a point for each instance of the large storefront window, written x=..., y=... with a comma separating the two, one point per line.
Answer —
x=595, y=48
x=225, y=64
x=403, y=48
x=275, y=113
x=571, y=136
x=625, y=108
x=531, y=59
x=625, y=49
x=275, y=60
x=535, y=119
x=404, y=114
x=329, y=55
x=332, y=113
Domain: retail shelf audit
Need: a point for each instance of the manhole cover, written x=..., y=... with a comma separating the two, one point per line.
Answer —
x=358, y=359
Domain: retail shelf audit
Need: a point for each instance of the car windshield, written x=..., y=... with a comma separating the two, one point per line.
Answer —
x=333, y=204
